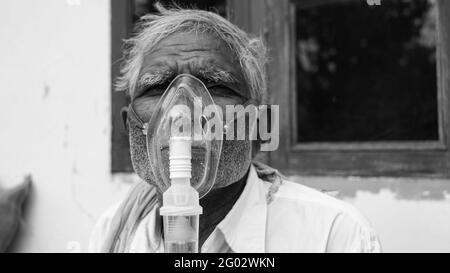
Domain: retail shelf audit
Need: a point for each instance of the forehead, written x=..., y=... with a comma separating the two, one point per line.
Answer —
x=184, y=52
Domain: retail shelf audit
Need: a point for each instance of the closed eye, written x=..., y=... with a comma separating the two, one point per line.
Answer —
x=221, y=90
x=153, y=91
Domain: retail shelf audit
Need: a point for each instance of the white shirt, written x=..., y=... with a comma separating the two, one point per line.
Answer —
x=298, y=219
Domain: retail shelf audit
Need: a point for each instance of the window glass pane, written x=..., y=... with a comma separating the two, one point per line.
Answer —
x=366, y=73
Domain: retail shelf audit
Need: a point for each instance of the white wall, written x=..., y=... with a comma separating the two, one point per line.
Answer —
x=55, y=124
x=410, y=215
x=55, y=116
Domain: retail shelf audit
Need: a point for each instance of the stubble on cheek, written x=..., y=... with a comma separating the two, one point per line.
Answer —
x=234, y=162
x=235, y=159
x=139, y=157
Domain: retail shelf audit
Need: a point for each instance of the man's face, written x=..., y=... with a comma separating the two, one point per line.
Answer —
x=209, y=59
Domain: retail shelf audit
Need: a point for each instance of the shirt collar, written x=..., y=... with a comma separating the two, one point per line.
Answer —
x=244, y=227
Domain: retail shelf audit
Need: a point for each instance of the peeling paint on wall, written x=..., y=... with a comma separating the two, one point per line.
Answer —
x=409, y=215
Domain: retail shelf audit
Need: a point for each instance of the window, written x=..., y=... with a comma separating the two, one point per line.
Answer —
x=363, y=90
x=366, y=88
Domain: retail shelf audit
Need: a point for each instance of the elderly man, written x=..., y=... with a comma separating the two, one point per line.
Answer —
x=251, y=208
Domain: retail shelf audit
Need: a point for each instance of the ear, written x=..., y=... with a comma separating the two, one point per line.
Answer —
x=257, y=143
x=124, y=115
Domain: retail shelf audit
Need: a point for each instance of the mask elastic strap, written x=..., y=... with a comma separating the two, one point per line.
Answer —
x=240, y=114
x=144, y=125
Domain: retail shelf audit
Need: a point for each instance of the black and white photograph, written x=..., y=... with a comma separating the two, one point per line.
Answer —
x=225, y=126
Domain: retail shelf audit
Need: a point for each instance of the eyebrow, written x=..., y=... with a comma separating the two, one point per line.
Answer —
x=208, y=75
x=155, y=78
x=216, y=75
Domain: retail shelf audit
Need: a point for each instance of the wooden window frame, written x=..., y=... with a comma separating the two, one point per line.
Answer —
x=121, y=26
x=405, y=158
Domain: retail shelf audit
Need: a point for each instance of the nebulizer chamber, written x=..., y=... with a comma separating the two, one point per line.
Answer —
x=181, y=207
x=177, y=130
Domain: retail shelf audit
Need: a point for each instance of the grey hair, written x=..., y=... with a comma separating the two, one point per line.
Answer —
x=152, y=28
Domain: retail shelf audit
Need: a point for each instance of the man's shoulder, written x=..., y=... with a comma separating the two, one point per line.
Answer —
x=304, y=198
x=320, y=222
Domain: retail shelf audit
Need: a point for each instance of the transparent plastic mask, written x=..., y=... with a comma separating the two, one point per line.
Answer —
x=180, y=112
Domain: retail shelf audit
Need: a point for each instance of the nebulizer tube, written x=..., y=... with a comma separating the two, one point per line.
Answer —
x=181, y=207
x=192, y=159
